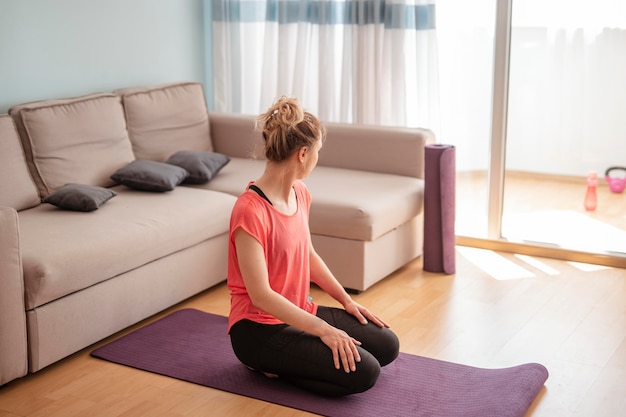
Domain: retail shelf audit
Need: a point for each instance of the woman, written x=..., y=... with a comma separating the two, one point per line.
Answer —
x=274, y=326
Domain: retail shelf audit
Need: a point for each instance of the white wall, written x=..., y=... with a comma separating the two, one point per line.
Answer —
x=66, y=48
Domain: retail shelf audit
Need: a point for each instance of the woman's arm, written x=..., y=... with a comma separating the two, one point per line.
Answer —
x=254, y=272
x=322, y=276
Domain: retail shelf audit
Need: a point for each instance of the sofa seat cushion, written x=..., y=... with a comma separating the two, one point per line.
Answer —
x=66, y=251
x=350, y=204
x=361, y=205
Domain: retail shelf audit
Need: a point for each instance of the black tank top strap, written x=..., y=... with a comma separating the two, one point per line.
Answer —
x=259, y=192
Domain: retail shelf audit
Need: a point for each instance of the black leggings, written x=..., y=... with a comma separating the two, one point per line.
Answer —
x=304, y=360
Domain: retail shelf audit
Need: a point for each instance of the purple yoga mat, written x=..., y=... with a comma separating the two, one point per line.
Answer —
x=193, y=346
x=439, y=209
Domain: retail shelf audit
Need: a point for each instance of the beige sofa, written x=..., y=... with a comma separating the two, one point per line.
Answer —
x=70, y=278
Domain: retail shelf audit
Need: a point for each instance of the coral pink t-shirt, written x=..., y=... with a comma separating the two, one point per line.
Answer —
x=285, y=241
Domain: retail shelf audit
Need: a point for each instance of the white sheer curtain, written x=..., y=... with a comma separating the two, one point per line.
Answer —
x=360, y=61
x=568, y=86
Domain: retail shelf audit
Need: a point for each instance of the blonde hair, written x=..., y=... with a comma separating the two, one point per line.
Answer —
x=286, y=127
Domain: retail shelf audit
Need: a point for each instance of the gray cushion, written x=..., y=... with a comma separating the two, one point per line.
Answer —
x=202, y=166
x=80, y=197
x=147, y=175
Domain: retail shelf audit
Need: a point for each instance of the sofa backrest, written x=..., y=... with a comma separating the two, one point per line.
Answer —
x=76, y=140
x=235, y=135
x=166, y=118
x=17, y=189
x=384, y=149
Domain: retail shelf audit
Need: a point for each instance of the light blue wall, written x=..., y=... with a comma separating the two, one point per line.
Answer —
x=66, y=48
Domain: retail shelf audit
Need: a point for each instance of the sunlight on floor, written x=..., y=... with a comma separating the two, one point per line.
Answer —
x=565, y=228
x=538, y=264
x=494, y=264
x=501, y=268
x=588, y=267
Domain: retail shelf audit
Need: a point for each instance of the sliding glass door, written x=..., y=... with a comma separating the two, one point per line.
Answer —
x=565, y=120
x=532, y=95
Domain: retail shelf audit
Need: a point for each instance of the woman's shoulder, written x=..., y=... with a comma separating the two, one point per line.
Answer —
x=300, y=185
x=301, y=189
x=248, y=200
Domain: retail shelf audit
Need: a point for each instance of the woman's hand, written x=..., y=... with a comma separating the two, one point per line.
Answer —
x=362, y=314
x=343, y=347
x=321, y=275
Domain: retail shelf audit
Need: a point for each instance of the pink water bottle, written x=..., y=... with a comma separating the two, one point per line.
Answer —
x=591, y=198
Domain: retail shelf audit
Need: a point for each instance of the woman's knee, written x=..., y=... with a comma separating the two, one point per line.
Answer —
x=366, y=375
x=340, y=383
x=382, y=343
x=388, y=347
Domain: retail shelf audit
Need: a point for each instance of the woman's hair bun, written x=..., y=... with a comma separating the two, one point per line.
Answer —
x=286, y=127
x=286, y=112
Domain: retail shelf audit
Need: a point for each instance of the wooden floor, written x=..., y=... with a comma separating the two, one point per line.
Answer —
x=498, y=310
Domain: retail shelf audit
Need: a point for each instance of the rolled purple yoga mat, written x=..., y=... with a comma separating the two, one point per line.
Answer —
x=439, y=209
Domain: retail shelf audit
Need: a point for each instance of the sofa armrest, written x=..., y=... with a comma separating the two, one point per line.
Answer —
x=384, y=149
x=13, y=348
